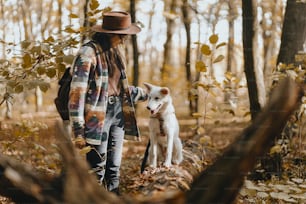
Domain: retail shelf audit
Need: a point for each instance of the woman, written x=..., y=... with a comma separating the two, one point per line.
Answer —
x=101, y=102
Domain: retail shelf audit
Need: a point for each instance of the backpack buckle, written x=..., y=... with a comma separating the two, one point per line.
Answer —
x=113, y=99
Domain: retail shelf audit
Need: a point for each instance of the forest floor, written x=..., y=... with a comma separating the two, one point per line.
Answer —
x=31, y=140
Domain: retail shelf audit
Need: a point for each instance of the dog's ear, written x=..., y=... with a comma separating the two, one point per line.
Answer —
x=148, y=86
x=164, y=91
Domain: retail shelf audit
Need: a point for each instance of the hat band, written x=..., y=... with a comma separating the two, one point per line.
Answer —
x=114, y=28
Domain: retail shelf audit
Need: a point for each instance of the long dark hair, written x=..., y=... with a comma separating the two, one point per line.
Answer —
x=103, y=39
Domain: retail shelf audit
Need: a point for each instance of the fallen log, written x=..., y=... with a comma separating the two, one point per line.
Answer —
x=219, y=183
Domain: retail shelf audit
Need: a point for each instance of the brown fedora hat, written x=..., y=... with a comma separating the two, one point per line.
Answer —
x=117, y=22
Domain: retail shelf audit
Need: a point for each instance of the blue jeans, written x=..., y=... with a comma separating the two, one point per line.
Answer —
x=107, y=163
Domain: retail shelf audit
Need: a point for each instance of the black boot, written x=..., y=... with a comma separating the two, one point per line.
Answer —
x=116, y=191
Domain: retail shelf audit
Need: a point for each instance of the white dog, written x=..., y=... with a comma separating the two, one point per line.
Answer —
x=164, y=138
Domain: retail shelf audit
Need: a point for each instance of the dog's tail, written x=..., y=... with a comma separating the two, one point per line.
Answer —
x=145, y=158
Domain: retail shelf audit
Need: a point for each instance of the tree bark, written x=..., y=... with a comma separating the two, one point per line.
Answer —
x=186, y=20
x=135, y=47
x=248, y=34
x=168, y=44
x=294, y=32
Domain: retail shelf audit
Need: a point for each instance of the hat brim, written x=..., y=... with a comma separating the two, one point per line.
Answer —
x=133, y=29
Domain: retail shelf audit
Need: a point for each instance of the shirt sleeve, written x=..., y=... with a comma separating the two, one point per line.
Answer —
x=78, y=89
x=138, y=94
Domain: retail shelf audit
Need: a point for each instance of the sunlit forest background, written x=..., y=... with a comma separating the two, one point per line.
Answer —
x=40, y=38
x=220, y=72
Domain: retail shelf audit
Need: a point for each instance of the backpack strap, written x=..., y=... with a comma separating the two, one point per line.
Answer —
x=94, y=45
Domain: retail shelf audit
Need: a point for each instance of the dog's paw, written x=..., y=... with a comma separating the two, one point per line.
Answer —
x=167, y=164
x=177, y=161
x=152, y=165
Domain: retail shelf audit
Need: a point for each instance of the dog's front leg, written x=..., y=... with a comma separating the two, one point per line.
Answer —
x=168, y=159
x=153, y=153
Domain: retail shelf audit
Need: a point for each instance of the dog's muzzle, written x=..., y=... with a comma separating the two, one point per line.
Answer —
x=113, y=99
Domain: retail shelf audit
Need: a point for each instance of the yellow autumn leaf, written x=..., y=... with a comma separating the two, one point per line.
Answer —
x=68, y=59
x=213, y=39
x=25, y=44
x=228, y=75
x=41, y=70
x=218, y=59
x=51, y=72
x=50, y=39
x=94, y=4
x=27, y=60
x=230, y=111
x=44, y=87
x=205, y=49
x=197, y=115
x=221, y=45
x=205, y=140
x=85, y=150
x=200, y=131
x=68, y=29
x=18, y=88
x=200, y=84
x=201, y=66
x=275, y=149
x=72, y=15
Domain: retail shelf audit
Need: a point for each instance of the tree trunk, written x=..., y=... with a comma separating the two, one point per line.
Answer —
x=85, y=22
x=231, y=93
x=294, y=32
x=135, y=47
x=248, y=34
x=271, y=46
x=168, y=44
x=186, y=20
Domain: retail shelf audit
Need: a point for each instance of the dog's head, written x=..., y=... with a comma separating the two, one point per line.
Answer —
x=157, y=97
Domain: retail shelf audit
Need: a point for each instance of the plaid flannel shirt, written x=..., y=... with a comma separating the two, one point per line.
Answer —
x=88, y=95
